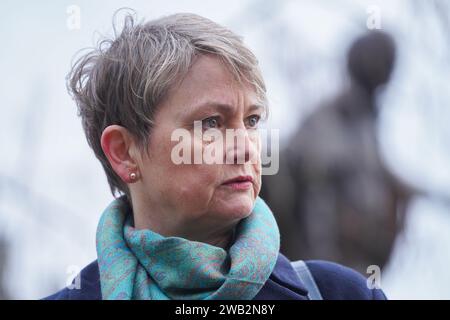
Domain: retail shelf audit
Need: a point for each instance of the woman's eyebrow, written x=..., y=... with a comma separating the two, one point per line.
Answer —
x=225, y=108
x=254, y=107
x=211, y=105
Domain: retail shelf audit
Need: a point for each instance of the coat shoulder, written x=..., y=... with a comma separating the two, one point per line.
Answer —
x=89, y=286
x=337, y=282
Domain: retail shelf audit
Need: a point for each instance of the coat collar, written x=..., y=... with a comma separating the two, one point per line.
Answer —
x=285, y=273
x=283, y=283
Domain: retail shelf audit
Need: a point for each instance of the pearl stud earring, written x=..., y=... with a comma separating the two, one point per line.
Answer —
x=133, y=176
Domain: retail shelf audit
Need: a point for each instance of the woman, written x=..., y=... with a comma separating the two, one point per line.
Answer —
x=189, y=230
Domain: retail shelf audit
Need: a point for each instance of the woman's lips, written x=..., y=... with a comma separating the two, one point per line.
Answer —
x=239, y=183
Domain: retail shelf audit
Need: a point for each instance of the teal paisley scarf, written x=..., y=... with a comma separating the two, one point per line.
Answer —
x=142, y=264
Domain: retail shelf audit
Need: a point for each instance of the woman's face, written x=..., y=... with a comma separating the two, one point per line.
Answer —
x=195, y=196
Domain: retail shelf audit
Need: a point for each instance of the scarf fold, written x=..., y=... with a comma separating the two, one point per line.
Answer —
x=142, y=264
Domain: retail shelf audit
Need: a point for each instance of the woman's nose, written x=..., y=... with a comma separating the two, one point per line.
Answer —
x=239, y=147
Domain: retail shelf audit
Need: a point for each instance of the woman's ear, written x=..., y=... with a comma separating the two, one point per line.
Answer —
x=117, y=144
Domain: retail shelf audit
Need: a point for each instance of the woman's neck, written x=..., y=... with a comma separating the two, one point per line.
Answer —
x=222, y=237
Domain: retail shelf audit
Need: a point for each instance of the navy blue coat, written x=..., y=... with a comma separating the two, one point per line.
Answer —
x=334, y=281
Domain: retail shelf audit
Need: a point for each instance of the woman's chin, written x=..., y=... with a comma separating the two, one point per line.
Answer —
x=238, y=206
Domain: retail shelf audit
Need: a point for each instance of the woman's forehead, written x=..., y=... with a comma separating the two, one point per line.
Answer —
x=209, y=75
x=210, y=84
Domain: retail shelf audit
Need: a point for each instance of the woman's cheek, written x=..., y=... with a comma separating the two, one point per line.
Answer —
x=198, y=178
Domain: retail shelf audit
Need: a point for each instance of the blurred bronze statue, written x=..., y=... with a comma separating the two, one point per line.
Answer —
x=334, y=197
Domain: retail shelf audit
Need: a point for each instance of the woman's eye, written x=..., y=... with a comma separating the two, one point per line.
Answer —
x=210, y=123
x=253, y=120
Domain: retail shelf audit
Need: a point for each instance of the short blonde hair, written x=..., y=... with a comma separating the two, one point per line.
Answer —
x=123, y=79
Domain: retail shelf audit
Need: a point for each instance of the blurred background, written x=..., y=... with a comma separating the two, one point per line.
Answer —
x=358, y=89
